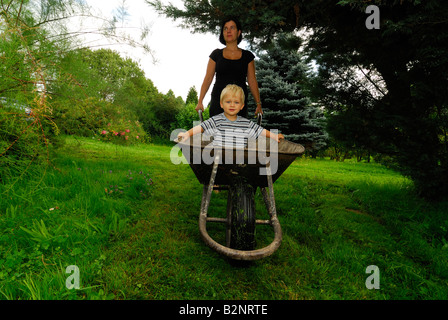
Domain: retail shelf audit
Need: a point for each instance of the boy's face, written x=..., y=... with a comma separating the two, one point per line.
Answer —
x=232, y=104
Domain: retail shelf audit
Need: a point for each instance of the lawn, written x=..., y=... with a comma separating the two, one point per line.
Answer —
x=127, y=218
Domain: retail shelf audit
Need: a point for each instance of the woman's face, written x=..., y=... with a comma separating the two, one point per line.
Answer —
x=231, y=32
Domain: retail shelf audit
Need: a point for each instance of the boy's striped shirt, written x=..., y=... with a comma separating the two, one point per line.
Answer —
x=231, y=134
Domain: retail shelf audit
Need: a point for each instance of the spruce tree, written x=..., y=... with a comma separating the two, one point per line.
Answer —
x=281, y=76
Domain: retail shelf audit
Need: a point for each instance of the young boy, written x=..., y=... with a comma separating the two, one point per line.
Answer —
x=227, y=128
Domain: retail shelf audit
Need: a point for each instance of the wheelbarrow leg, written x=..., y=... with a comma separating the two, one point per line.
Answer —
x=268, y=197
x=235, y=253
x=229, y=220
x=269, y=201
x=206, y=195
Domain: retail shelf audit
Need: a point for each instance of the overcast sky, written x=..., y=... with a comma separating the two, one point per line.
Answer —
x=182, y=56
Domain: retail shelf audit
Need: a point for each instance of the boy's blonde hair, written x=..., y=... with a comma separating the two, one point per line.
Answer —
x=234, y=90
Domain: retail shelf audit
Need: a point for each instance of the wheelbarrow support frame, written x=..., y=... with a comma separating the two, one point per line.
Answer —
x=268, y=197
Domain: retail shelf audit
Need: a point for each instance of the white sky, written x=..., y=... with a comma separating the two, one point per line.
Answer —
x=182, y=56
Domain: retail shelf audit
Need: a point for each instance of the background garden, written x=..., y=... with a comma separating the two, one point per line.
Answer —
x=86, y=179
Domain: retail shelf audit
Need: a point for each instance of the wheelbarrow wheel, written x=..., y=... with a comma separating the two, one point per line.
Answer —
x=242, y=227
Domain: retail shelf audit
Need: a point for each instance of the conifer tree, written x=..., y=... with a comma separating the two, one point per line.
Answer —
x=281, y=76
x=192, y=96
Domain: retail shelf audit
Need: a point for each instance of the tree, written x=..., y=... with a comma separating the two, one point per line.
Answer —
x=261, y=19
x=188, y=116
x=406, y=61
x=192, y=96
x=36, y=35
x=351, y=134
x=165, y=111
x=35, y=38
x=105, y=75
x=100, y=73
x=281, y=75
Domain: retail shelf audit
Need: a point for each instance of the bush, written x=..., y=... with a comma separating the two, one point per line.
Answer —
x=121, y=131
x=82, y=118
x=100, y=119
x=188, y=115
x=23, y=139
x=161, y=114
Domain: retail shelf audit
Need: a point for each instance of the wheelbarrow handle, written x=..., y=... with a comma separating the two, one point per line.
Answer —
x=259, y=118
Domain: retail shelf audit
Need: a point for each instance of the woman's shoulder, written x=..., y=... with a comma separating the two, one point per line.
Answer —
x=217, y=53
x=249, y=56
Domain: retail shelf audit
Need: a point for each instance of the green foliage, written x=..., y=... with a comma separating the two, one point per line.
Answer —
x=101, y=73
x=105, y=75
x=260, y=20
x=25, y=138
x=18, y=139
x=347, y=132
x=100, y=119
x=25, y=48
x=282, y=76
x=388, y=85
x=192, y=96
x=162, y=114
x=188, y=115
x=88, y=93
x=121, y=131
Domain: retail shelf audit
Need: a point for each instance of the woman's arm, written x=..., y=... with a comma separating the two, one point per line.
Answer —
x=253, y=85
x=209, y=75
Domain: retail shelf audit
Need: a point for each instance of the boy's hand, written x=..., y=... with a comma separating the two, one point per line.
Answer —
x=182, y=136
x=279, y=137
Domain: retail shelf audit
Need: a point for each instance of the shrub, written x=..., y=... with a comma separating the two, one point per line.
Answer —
x=121, y=131
x=24, y=139
x=188, y=115
x=81, y=118
x=100, y=119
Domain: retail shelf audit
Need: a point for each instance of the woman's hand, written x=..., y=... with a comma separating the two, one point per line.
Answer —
x=259, y=110
x=200, y=106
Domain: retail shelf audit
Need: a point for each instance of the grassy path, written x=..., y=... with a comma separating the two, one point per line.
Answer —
x=127, y=217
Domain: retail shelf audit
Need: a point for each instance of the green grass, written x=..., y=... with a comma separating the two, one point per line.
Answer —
x=128, y=218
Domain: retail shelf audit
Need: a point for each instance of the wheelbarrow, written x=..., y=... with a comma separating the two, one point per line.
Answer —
x=258, y=165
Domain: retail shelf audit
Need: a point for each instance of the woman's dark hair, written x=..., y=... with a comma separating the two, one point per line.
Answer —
x=238, y=27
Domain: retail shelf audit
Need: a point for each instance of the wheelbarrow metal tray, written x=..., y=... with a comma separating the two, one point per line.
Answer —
x=248, y=162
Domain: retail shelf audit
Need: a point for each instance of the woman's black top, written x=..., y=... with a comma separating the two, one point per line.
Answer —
x=229, y=72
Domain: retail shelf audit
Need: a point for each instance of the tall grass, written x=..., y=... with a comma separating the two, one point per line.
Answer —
x=67, y=218
x=127, y=217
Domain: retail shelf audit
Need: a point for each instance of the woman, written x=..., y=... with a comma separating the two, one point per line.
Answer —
x=231, y=65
